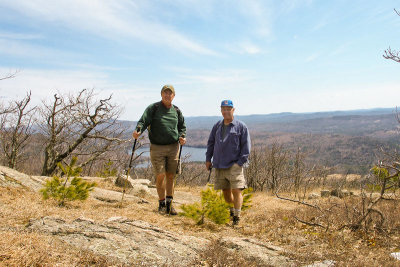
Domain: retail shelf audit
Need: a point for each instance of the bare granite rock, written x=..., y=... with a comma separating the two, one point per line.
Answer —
x=128, y=240
x=133, y=241
x=253, y=250
x=11, y=177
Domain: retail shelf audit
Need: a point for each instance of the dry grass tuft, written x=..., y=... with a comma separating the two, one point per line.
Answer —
x=218, y=256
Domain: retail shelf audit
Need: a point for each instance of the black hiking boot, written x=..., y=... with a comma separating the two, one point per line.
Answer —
x=162, y=207
x=231, y=213
x=170, y=209
x=235, y=220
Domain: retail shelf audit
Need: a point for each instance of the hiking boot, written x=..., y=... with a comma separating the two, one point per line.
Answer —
x=162, y=208
x=235, y=220
x=169, y=209
x=231, y=214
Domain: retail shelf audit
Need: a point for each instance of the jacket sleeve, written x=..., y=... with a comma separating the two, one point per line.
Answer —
x=245, y=146
x=146, y=118
x=210, y=143
x=181, y=124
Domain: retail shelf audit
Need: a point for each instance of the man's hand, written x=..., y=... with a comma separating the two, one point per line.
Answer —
x=208, y=165
x=136, y=134
x=182, y=141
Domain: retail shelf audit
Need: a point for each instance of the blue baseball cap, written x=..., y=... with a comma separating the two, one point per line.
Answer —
x=226, y=103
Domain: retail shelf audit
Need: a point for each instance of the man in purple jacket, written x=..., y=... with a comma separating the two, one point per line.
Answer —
x=229, y=148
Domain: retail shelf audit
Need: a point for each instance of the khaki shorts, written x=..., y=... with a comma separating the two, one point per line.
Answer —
x=230, y=178
x=164, y=158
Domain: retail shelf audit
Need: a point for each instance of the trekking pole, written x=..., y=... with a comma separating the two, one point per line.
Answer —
x=179, y=157
x=177, y=168
x=128, y=170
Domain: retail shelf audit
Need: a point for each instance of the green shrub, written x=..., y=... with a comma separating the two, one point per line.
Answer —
x=108, y=170
x=58, y=187
x=213, y=206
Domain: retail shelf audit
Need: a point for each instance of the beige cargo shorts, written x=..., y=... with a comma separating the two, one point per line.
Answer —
x=164, y=158
x=230, y=178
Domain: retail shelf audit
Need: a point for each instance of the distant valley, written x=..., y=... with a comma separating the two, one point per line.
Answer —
x=347, y=140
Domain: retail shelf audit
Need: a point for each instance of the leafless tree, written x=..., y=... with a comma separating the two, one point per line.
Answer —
x=256, y=172
x=79, y=125
x=3, y=108
x=17, y=129
x=392, y=54
x=268, y=167
x=276, y=161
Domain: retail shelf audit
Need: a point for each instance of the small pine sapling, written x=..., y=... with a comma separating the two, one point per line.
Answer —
x=57, y=187
x=108, y=170
x=213, y=206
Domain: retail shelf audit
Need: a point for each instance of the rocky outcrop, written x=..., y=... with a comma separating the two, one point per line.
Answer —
x=133, y=241
x=130, y=241
x=135, y=186
x=257, y=251
x=11, y=177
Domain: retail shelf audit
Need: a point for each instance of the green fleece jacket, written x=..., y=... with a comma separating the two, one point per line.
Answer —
x=164, y=125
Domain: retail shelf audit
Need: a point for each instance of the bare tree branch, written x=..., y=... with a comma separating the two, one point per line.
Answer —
x=310, y=224
x=18, y=130
x=9, y=75
x=79, y=124
x=297, y=201
x=392, y=54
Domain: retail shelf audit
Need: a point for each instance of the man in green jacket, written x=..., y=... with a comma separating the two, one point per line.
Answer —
x=166, y=129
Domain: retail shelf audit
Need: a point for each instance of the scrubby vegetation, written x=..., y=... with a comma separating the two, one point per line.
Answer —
x=63, y=189
x=213, y=206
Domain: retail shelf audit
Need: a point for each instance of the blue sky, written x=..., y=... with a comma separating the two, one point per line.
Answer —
x=267, y=56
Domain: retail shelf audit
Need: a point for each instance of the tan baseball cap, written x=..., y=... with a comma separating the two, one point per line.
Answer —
x=168, y=87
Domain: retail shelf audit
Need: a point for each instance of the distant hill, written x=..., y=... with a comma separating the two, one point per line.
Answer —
x=347, y=140
x=300, y=122
x=353, y=122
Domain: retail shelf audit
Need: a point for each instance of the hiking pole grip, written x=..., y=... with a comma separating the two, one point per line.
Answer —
x=133, y=151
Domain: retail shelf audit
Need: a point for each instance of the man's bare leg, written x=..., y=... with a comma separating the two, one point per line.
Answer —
x=228, y=196
x=160, y=184
x=237, y=198
x=170, y=184
x=170, y=193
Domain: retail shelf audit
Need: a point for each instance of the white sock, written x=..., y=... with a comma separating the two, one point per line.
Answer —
x=236, y=212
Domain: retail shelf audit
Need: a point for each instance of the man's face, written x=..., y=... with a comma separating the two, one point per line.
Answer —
x=227, y=112
x=167, y=96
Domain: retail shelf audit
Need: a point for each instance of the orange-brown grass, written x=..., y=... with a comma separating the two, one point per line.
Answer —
x=217, y=255
x=270, y=219
x=33, y=249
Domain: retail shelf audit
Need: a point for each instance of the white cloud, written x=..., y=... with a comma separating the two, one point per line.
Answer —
x=25, y=50
x=244, y=47
x=19, y=36
x=114, y=20
x=45, y=83
x=224, y=77
x=259, y=14
x=312, y=57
